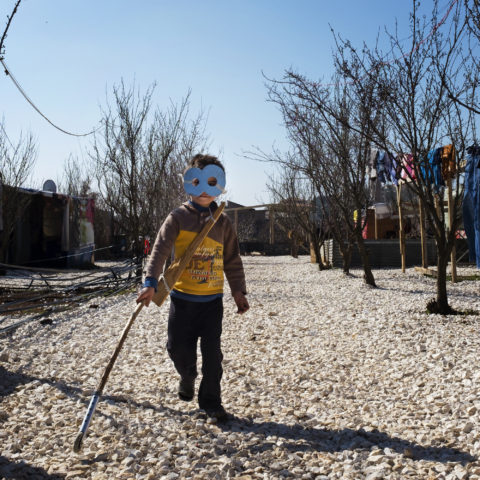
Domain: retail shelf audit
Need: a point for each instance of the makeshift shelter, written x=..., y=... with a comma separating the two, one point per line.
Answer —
x=54, y=230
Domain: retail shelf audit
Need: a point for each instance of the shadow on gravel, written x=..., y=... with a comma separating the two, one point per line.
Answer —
x=23, y=471
x=325, y=440
x=10, y=380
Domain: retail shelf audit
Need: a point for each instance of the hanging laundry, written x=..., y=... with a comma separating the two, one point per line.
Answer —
x=371, y=166
x=383, y=165
x=475, y=151
x=426, y=168
x=436, y=166
x=394, y=170
x=449, y=165
x=408, y=168
x=471, y=203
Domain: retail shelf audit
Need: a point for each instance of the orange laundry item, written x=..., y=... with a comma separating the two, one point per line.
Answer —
x=449, y=165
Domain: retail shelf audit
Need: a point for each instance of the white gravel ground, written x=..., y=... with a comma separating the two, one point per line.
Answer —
x=325, y=377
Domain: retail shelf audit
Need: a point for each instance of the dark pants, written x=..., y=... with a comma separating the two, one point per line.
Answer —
x=187, y=322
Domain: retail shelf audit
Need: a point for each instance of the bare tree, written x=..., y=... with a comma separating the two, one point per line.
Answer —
x=296, y=210
x=332, y=156
x=5, y=32
x=139, y=158
x=16, y=164
x=76, y=180
x=472, y=8
x=420, y=115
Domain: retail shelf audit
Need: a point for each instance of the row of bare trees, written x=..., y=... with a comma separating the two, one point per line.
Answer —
x=410, y=98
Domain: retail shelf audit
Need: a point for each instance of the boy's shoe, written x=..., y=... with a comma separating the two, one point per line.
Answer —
x=186, y=389
x=218, y=413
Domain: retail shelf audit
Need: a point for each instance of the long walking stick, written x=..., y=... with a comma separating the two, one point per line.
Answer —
x=170, y=277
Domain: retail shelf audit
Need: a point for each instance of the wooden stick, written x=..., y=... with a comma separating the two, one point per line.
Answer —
x=176, y=269
x=423, y=237
x=400, y=226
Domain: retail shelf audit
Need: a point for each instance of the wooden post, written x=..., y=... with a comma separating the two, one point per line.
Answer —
x=400, y=226
x=235, y=214
x=423, y=237
x=450, y=224
x=272, y=227
x=312, y=253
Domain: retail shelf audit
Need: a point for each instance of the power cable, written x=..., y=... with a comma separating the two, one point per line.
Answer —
x=20, y=89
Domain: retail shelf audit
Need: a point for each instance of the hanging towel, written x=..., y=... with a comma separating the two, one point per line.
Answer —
x=449, y=166
x=426, y=168
x=383, y=167
x=437, y=169
x=408, y=168
x=372, y=164
x=471, y=203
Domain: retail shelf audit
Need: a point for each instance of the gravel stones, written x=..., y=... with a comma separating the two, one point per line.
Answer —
x=326, y=378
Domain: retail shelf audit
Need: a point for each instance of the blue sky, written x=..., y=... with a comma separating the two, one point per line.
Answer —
x=68, y=54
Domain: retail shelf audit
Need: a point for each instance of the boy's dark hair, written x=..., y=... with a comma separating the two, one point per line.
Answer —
x=201, y=161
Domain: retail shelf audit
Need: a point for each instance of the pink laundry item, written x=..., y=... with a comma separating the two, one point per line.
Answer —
x=408, y=168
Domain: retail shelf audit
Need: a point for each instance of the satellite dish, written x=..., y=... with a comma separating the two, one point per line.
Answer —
x=49, y=186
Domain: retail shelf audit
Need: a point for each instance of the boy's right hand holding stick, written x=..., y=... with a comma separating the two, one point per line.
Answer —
x=146, y=294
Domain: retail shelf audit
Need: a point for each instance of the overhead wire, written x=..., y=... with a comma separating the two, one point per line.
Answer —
x=27, y=98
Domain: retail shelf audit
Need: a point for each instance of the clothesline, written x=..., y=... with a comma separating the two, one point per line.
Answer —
x=438, y=168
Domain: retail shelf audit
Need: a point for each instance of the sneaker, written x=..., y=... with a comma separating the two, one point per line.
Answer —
x=186, y=389
x=219, y=414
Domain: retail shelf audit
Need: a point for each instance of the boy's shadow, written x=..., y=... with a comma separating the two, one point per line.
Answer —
x=327, y=440
x=298, y=438
x=24, y=471
x=10, y=380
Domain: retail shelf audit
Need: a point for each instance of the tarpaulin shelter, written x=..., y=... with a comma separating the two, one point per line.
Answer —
x=53, y=230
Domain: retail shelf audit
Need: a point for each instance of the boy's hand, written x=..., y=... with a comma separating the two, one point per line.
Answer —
x=241, y=301
x=146, y=294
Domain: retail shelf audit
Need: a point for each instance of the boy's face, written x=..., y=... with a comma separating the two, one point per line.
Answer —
x=204, y=199
x=204, y=184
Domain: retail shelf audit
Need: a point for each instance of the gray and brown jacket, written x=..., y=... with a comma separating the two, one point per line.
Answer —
x=218, y=253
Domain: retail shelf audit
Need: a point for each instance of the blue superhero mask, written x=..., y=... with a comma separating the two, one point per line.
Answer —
x=195, y=181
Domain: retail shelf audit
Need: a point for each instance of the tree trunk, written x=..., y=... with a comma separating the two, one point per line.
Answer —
x=294, y=247
x=3, y=253
x=367, y=270
x=346, y=251
x=315, y=247
x=318, y=246
x=442, y=306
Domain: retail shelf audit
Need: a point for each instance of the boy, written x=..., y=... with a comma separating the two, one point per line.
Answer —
x=196, y=307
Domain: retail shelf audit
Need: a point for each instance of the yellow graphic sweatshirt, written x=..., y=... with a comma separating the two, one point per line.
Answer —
x=219, y=253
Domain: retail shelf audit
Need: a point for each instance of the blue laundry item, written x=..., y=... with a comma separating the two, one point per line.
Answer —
x=394, y=170
x=426, y=169
x=383, y=167
x=471, y=203
x=388, y=166
x=436, y=163
x=431, y=169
